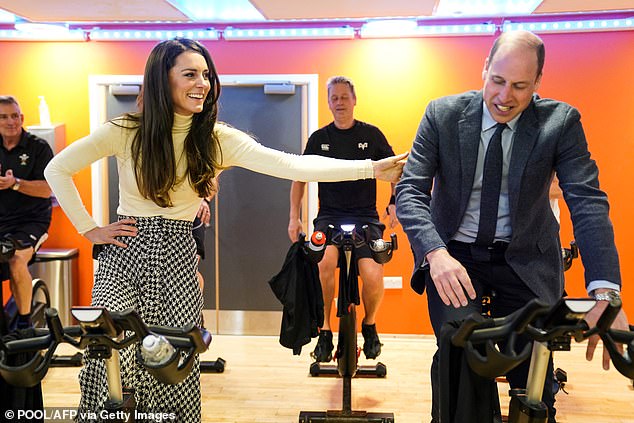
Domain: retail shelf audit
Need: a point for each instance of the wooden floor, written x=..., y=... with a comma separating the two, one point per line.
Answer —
x=264, y=382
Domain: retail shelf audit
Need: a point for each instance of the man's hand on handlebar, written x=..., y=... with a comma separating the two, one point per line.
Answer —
x=620, y=323
x=107, y=234
x=450, y=278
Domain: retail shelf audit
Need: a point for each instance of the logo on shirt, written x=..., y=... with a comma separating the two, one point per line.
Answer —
x=362, y=145
x=325, y=147
x=24, y=158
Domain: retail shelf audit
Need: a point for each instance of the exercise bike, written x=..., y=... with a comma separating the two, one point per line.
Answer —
x=346, y=239
x=568, y=255
x=41, y=298
x=551, y=328
x=101, y=334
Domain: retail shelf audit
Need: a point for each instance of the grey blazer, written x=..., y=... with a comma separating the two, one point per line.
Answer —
x=549, y=138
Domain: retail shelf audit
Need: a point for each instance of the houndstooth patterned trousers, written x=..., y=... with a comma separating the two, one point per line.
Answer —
x=155, y=275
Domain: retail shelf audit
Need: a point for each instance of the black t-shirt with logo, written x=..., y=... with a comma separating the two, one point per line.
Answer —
x=362, y=141
x=27, y=160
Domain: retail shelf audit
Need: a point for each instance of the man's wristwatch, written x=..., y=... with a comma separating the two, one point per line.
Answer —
x=607, y=296
x=16, y=186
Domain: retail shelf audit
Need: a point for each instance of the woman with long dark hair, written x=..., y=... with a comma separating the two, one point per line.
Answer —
x=168, y=155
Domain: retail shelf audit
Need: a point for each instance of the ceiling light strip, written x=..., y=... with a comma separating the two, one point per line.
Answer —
x=137, y=35
x=343, y=32
x=369, y=31
x=572, y=26
x=240, y=34
x=16, y=35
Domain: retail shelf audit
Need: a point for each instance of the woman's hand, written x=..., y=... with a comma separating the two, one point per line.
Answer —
x=107, y=234
x=204, y=213
x=390, y=168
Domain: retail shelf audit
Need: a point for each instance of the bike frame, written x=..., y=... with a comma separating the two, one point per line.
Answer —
x=346, y=239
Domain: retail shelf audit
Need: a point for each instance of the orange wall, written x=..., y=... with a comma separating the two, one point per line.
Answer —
x=395, y=80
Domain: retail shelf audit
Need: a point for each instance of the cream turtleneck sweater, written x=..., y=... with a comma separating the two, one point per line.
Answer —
x=238, y=149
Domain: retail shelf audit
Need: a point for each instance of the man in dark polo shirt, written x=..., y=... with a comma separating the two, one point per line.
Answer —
x=25, y=204
x=348, y=202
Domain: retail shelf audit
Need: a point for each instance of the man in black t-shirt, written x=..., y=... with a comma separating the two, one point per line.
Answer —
x=25, y=204
x=349, y=202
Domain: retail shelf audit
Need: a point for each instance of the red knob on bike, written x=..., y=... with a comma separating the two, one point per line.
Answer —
x=316, y=246
x=318, y=239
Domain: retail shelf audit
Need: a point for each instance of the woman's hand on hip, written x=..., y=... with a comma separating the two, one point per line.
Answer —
x=108, y=234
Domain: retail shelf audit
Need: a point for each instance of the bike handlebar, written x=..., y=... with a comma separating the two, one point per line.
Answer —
x=623, y=362
x=348, y=237
x=542, y=323
x=98, y=333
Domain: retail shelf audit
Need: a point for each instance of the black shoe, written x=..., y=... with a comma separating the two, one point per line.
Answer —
x=21, y=321
x=371, y=343
x=324, y=347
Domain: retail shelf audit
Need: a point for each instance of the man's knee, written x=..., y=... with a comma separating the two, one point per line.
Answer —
x=371, y=272
x=328, y=263
x=21, y=257
x=19, y=263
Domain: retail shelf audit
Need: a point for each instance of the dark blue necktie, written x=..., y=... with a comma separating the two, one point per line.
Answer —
x=491, y=183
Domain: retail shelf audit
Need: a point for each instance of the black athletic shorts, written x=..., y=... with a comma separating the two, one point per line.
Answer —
x=375, y=227
x=198, y=231
x=28, y=234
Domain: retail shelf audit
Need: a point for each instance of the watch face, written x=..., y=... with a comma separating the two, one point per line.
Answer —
x=607, y=296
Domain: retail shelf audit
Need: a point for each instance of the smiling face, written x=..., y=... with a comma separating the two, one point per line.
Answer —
x=11, y=120
x=189, y=83
x=510, y=79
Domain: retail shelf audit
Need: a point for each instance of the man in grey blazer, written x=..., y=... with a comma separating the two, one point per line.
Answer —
x=440, y=193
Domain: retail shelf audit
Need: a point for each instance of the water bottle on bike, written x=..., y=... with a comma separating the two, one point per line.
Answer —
x=316, y=246
x=156, y=350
